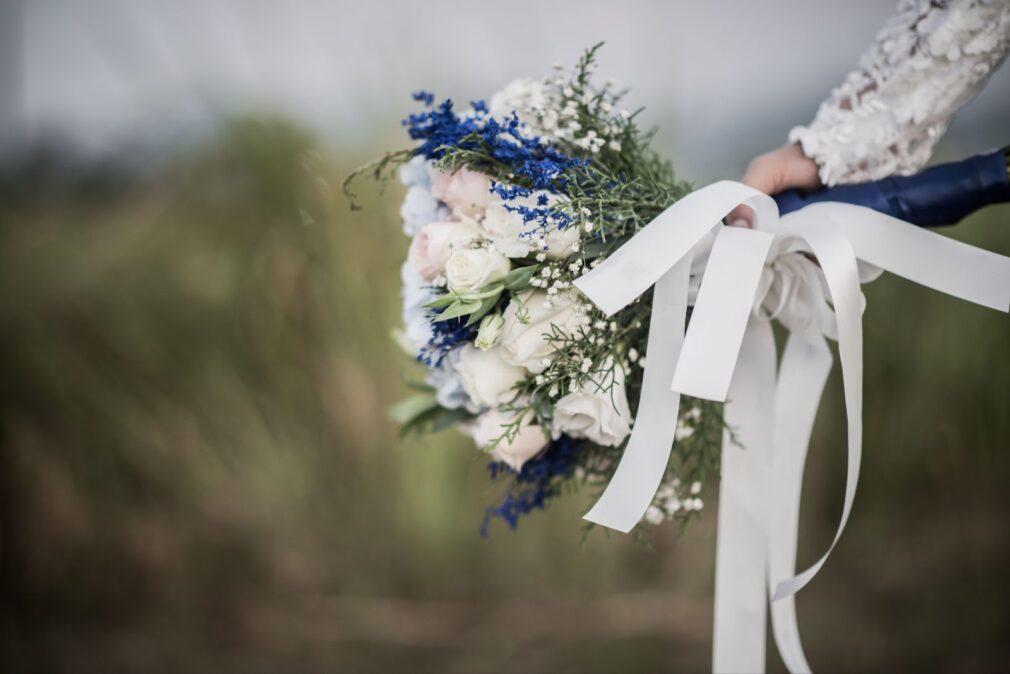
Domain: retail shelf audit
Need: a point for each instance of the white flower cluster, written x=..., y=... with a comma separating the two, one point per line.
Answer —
x=671, y=501
x=551, y=109
x=465, y=240
x=489, y=297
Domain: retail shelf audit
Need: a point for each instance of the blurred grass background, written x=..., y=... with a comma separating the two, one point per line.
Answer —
x=197, y=473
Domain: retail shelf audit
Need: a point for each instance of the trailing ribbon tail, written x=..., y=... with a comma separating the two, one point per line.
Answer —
x=838, y=261
x=641, y=470
x=741, y=580
x=803, y=372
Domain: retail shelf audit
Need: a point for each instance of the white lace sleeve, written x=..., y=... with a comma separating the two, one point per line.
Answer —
x=927, y=62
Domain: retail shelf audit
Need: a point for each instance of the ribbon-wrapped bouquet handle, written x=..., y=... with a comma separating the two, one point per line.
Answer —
x=727, y=353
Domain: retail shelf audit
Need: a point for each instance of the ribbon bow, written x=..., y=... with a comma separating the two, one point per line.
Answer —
x=728, y=354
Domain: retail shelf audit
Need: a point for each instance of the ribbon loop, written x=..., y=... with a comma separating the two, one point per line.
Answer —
x=637, y=477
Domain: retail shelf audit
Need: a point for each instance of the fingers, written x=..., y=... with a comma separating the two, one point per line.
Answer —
x=773, y=172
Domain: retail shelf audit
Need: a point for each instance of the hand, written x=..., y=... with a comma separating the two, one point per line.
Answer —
x=773, y=172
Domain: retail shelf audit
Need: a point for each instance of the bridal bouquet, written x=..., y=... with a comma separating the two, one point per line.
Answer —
x=507, y=202
x=546, y=234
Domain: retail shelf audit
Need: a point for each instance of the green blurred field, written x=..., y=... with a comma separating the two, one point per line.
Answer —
x=197, y=473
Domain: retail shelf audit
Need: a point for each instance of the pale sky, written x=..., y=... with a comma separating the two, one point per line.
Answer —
x=723, y=80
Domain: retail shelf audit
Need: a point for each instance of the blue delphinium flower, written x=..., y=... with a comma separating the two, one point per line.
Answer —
x=439, y=127
x=534, y=485
x=445, y=336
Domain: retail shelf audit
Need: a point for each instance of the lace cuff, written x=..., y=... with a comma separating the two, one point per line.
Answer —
x=927, y=62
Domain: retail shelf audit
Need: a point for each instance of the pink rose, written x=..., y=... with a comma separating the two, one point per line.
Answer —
x=528, y=442
x=466, y=193
x=434, y=243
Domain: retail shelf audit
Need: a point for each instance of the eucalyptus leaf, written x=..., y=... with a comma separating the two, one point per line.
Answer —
x=458, y=309
x=519, y=278
x=444, y=418
x=434, y=420
x=485, y=306
x=410, y=408
x=490, y=291
x=442, y=301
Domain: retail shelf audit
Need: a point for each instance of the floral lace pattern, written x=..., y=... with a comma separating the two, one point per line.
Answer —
x=927, y=62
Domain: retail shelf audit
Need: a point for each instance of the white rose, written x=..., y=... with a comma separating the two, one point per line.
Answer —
x=515, y=237
x=470, y=270
x=487, y=378
x=523, y=340
x=529, y=441
x=598, y=410
x=465, y=192
x=448, y=384
x=503, y=228
x=435, y=242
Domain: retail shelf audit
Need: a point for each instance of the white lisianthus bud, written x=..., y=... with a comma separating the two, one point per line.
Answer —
x=597, y=410
x=523, y=339
x=472, y=269
x=489, y=331
x=487, y=378
x=528, y=442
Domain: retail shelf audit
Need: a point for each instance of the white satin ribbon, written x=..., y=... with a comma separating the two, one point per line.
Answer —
x=760, y=491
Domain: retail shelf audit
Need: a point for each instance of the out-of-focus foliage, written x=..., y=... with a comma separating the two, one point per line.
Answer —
x=197, y=472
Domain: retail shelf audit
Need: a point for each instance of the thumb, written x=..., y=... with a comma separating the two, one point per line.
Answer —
x=764, y=175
